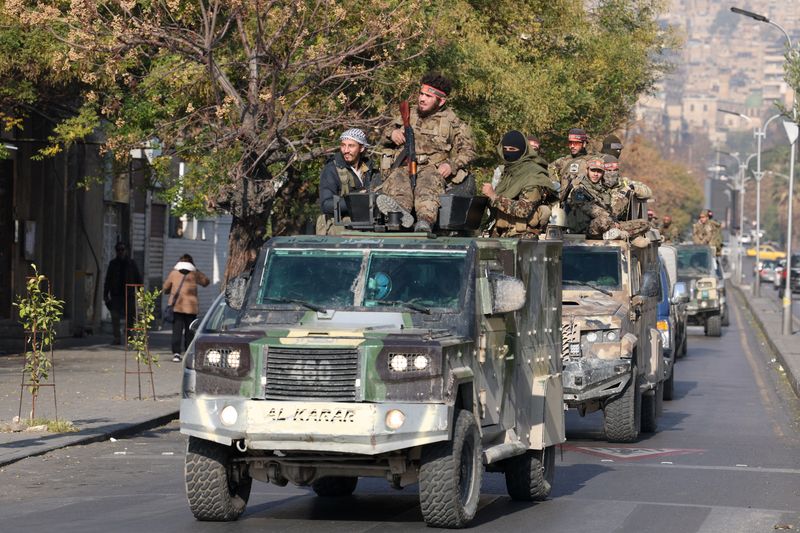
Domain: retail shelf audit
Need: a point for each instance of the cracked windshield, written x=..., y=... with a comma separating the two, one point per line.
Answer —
x=591, y=267
x=331, y=279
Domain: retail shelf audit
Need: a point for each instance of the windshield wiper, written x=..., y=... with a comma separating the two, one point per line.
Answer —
x=410, y=304
x=313, y=307
x=586, y=284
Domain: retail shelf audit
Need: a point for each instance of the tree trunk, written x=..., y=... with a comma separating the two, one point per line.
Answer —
x=245, y=241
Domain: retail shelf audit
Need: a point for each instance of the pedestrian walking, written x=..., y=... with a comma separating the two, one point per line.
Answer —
x=121, y=272
x=181, y=285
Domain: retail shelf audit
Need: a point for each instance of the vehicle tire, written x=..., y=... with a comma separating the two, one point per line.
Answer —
x=726, y=316
x=622, y=414
x=714, y=326
x=669, y=385
x=651, y=405
x=682, y=352
x=529, y=477
x=335, y=486
x=450, y=476
x=217, y=488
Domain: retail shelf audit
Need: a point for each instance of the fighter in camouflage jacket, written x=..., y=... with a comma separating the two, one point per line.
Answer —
x=565, y=169
x=444, y=148
x=704, y=231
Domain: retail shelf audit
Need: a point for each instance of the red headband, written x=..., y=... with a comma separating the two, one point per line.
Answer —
x=576, y=137
x=612, y=166
x=433, y=91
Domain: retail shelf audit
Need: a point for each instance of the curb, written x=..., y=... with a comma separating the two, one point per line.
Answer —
x=781, y=358
x=106, y=432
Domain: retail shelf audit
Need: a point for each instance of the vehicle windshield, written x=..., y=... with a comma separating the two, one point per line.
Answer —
x=335, y=279
x=593, y=267
x=694, y=262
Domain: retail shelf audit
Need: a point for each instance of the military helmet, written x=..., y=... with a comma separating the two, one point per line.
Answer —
x=577, y=134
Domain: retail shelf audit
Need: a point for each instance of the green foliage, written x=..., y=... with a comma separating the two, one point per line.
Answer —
x=139, y=338
x=39, y=313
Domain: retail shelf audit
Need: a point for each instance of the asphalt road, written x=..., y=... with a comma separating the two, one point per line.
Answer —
x=726, y=458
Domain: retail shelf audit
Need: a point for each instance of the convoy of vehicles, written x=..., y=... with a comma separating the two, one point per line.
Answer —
x=413, y=359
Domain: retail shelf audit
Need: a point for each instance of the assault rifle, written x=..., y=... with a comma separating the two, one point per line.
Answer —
x=409, y=154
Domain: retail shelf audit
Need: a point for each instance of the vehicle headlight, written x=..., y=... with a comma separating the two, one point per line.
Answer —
x=612, y=336
x=234, y=359
x=421, y=362
x=213, y=357
x=591, y=336
x=398, y=363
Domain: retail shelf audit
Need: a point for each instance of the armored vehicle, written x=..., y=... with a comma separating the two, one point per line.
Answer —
x=697, y=267
x=386, y=355
x=611, y=351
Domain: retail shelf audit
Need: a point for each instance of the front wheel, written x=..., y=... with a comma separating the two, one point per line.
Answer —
x=529, y=477
x=669, y=385
x=714, y=326
x=726, y=317
x=450, y=476
x=622, y=414
x=217, y=488
x=651, y=407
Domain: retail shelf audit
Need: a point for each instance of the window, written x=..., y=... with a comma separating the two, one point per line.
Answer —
x=582, y=265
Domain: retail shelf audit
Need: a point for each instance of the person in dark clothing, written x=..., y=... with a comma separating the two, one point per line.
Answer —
x=181, y=285
x=349, y=170
x=121, y=271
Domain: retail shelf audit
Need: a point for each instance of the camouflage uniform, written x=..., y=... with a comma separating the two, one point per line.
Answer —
x=528, y=211
x=669, y=233
x=591, y=211
x=707, y=233
x=621, y=194
x=565, y=169
x=440, y=137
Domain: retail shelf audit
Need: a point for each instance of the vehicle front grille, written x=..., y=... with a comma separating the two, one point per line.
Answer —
x=570, y=334
x=311, y=373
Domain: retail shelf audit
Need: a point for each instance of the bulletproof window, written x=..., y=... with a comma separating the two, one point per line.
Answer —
x=597, y=266
x=319, y=277
x=434, y=280
x=635, y=275
x=695, y=262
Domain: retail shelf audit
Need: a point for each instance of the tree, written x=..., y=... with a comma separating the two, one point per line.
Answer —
x=240, y=90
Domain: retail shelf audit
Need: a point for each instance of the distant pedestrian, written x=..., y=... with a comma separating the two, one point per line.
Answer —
x=121, y=271
x=181, y=285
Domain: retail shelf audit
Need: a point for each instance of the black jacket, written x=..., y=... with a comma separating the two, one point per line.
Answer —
x=120, y=272
x=330, y=186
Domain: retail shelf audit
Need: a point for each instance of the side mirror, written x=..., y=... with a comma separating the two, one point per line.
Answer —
x=680, y=293
x=235, y=291
x=508, y=293
x=649, y=285
x=195, y=325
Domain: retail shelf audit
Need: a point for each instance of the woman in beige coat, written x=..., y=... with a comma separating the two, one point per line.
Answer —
x=181, y=285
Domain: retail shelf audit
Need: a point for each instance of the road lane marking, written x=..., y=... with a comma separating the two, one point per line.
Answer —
x=722, y=468
x=760, y=383
x=629, y=453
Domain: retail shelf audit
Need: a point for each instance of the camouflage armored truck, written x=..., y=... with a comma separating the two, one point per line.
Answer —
x=386, y=355
x=697, y=267
x=611, y=351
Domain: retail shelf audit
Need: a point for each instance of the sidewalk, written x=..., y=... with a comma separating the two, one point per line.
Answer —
x=89, y=380
x=768, y=314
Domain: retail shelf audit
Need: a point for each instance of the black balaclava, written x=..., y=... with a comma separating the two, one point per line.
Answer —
x=518, y=141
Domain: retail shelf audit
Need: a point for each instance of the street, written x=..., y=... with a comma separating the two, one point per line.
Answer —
x=726, y=458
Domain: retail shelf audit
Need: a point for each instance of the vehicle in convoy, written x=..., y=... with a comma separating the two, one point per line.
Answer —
x=677, y=294
x=725, y=316
x=671, y=325
x=767, y=251
x=385, y=355
x=697, y=267
x=612, y=352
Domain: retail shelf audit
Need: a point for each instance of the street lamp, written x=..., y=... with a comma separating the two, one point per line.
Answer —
x=787, y=294
x=760, y=134
x=740, y=188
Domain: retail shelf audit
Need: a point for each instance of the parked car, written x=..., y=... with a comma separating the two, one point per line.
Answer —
x=766, y=270
x=795, y=281
x=767, y=251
